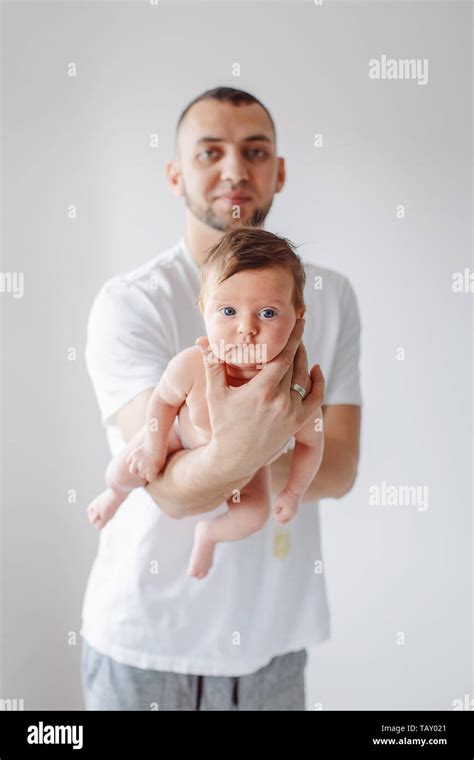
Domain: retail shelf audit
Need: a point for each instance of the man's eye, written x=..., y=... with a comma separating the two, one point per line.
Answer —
x=268, y=313
x=205, y=154
x=225, y=311
x=256, y=153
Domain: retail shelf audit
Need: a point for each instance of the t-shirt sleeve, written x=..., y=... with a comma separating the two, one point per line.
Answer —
x=127, y=349
x=343, y=383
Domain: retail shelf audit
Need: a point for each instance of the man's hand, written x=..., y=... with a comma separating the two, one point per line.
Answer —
x=251, y=423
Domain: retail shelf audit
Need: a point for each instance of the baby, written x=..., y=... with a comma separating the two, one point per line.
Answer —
x=251, y=293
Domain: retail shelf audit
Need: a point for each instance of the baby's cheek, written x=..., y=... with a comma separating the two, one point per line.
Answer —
x=275, y=345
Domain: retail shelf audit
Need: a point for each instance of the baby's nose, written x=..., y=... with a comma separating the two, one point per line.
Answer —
x=247, y=327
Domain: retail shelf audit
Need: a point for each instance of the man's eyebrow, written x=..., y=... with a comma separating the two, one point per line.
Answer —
x=250, y=138
x=260, y=137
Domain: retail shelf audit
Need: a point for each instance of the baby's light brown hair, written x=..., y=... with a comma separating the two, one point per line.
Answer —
x=243, y=248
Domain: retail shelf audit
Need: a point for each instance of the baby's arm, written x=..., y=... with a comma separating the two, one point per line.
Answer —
x=148, y=459
x=305, y=463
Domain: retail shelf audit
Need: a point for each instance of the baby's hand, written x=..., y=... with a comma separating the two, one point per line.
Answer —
x=286, y=505
x=145, y=463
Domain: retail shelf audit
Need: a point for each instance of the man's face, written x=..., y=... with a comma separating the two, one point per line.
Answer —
x=249, y=316
x=227, y=168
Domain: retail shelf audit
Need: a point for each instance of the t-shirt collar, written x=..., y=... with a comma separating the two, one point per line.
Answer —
x=186, y=250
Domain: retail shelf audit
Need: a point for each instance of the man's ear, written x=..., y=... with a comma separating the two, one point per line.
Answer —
x=175, y=179
x=302, y=312
x=281, y=175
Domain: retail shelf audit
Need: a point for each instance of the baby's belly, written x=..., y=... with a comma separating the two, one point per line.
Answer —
x=193, y=436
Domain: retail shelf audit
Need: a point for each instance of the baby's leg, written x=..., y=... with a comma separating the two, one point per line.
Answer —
x=120, y=481
x=243, y=518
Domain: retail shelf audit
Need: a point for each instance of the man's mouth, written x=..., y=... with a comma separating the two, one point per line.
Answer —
x=235, y=199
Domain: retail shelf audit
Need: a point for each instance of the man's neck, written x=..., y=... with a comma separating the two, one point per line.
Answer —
x=199, y=237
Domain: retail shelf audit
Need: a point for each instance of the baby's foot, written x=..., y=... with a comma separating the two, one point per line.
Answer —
x=203, y=551
x=103, y=508
x=286, y=506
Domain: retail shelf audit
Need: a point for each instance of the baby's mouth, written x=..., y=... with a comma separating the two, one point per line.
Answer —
x=243, y=353
x=242, y=346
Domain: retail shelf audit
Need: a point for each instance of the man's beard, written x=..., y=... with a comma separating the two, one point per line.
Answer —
x=208, y=216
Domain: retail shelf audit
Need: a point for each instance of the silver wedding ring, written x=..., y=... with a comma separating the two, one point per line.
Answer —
x=299, y=389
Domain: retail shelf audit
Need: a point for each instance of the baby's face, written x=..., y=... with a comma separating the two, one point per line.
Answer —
x=250, y=316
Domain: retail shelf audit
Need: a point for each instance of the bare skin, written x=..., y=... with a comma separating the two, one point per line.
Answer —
x=182, y=392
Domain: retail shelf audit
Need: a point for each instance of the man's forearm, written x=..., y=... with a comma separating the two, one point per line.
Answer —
x=193, y=481
x=334, y=478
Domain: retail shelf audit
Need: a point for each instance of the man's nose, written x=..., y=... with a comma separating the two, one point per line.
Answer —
x=234, y=168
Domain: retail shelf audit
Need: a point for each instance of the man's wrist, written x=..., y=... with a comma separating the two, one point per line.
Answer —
x=184, y=489
x=231, y=466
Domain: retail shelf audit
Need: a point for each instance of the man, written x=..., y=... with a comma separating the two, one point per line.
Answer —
x=155, y=638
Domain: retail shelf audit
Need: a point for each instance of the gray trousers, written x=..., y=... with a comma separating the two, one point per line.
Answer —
x=109, y=685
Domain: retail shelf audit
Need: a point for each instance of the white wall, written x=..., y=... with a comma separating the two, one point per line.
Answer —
x=84, y=141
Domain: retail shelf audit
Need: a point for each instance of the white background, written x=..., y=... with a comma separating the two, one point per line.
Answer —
x=85, y=141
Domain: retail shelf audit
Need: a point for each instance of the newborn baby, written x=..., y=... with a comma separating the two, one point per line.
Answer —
x=251, y=293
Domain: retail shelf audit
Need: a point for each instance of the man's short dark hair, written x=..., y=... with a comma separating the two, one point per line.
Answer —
x=226, y=95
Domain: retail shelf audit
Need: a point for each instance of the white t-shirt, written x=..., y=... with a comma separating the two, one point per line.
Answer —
x=265, y=595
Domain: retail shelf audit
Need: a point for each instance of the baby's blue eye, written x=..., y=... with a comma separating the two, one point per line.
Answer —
x=267, y=315
x=226, y=309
